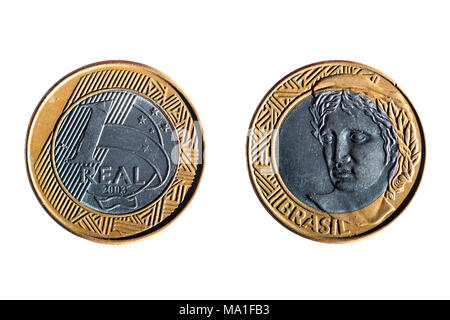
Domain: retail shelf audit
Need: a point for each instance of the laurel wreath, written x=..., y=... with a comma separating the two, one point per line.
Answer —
x=408, y=149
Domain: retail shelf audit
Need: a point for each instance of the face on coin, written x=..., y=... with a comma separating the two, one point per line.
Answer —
x=353, y=149
x=335, y=151
x=114, y=151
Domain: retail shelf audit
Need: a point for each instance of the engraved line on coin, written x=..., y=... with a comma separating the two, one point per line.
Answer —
x=69, y=170
x=66, y=137
x=73, y=167
x=123, y=102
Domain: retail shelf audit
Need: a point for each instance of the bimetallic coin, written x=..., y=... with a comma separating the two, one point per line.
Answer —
x=335, y=151
x=114, y=151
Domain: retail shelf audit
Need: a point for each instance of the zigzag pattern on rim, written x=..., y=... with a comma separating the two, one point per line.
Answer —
x=167, y=99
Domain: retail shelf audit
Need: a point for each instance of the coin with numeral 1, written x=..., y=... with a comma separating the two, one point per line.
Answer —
x=335, y=151
x=114, y=151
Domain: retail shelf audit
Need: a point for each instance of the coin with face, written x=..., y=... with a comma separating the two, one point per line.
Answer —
x=114, y=151
x=335, y=151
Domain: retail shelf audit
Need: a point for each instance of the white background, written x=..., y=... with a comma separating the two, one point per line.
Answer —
x=225, y=56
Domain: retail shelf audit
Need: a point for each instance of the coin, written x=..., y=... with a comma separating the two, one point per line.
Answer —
x=335, y=151
x=114, y=151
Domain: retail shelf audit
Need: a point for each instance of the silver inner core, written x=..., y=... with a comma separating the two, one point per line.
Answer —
x=116, y=152
x=337, y=151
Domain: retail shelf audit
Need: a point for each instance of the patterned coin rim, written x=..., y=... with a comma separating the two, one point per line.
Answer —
x=191, y=150
x=264, y=148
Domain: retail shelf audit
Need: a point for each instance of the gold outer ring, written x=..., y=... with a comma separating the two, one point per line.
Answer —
x=66, y=93
x=262, y=145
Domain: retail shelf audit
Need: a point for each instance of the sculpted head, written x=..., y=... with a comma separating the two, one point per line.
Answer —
x=358, y=140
